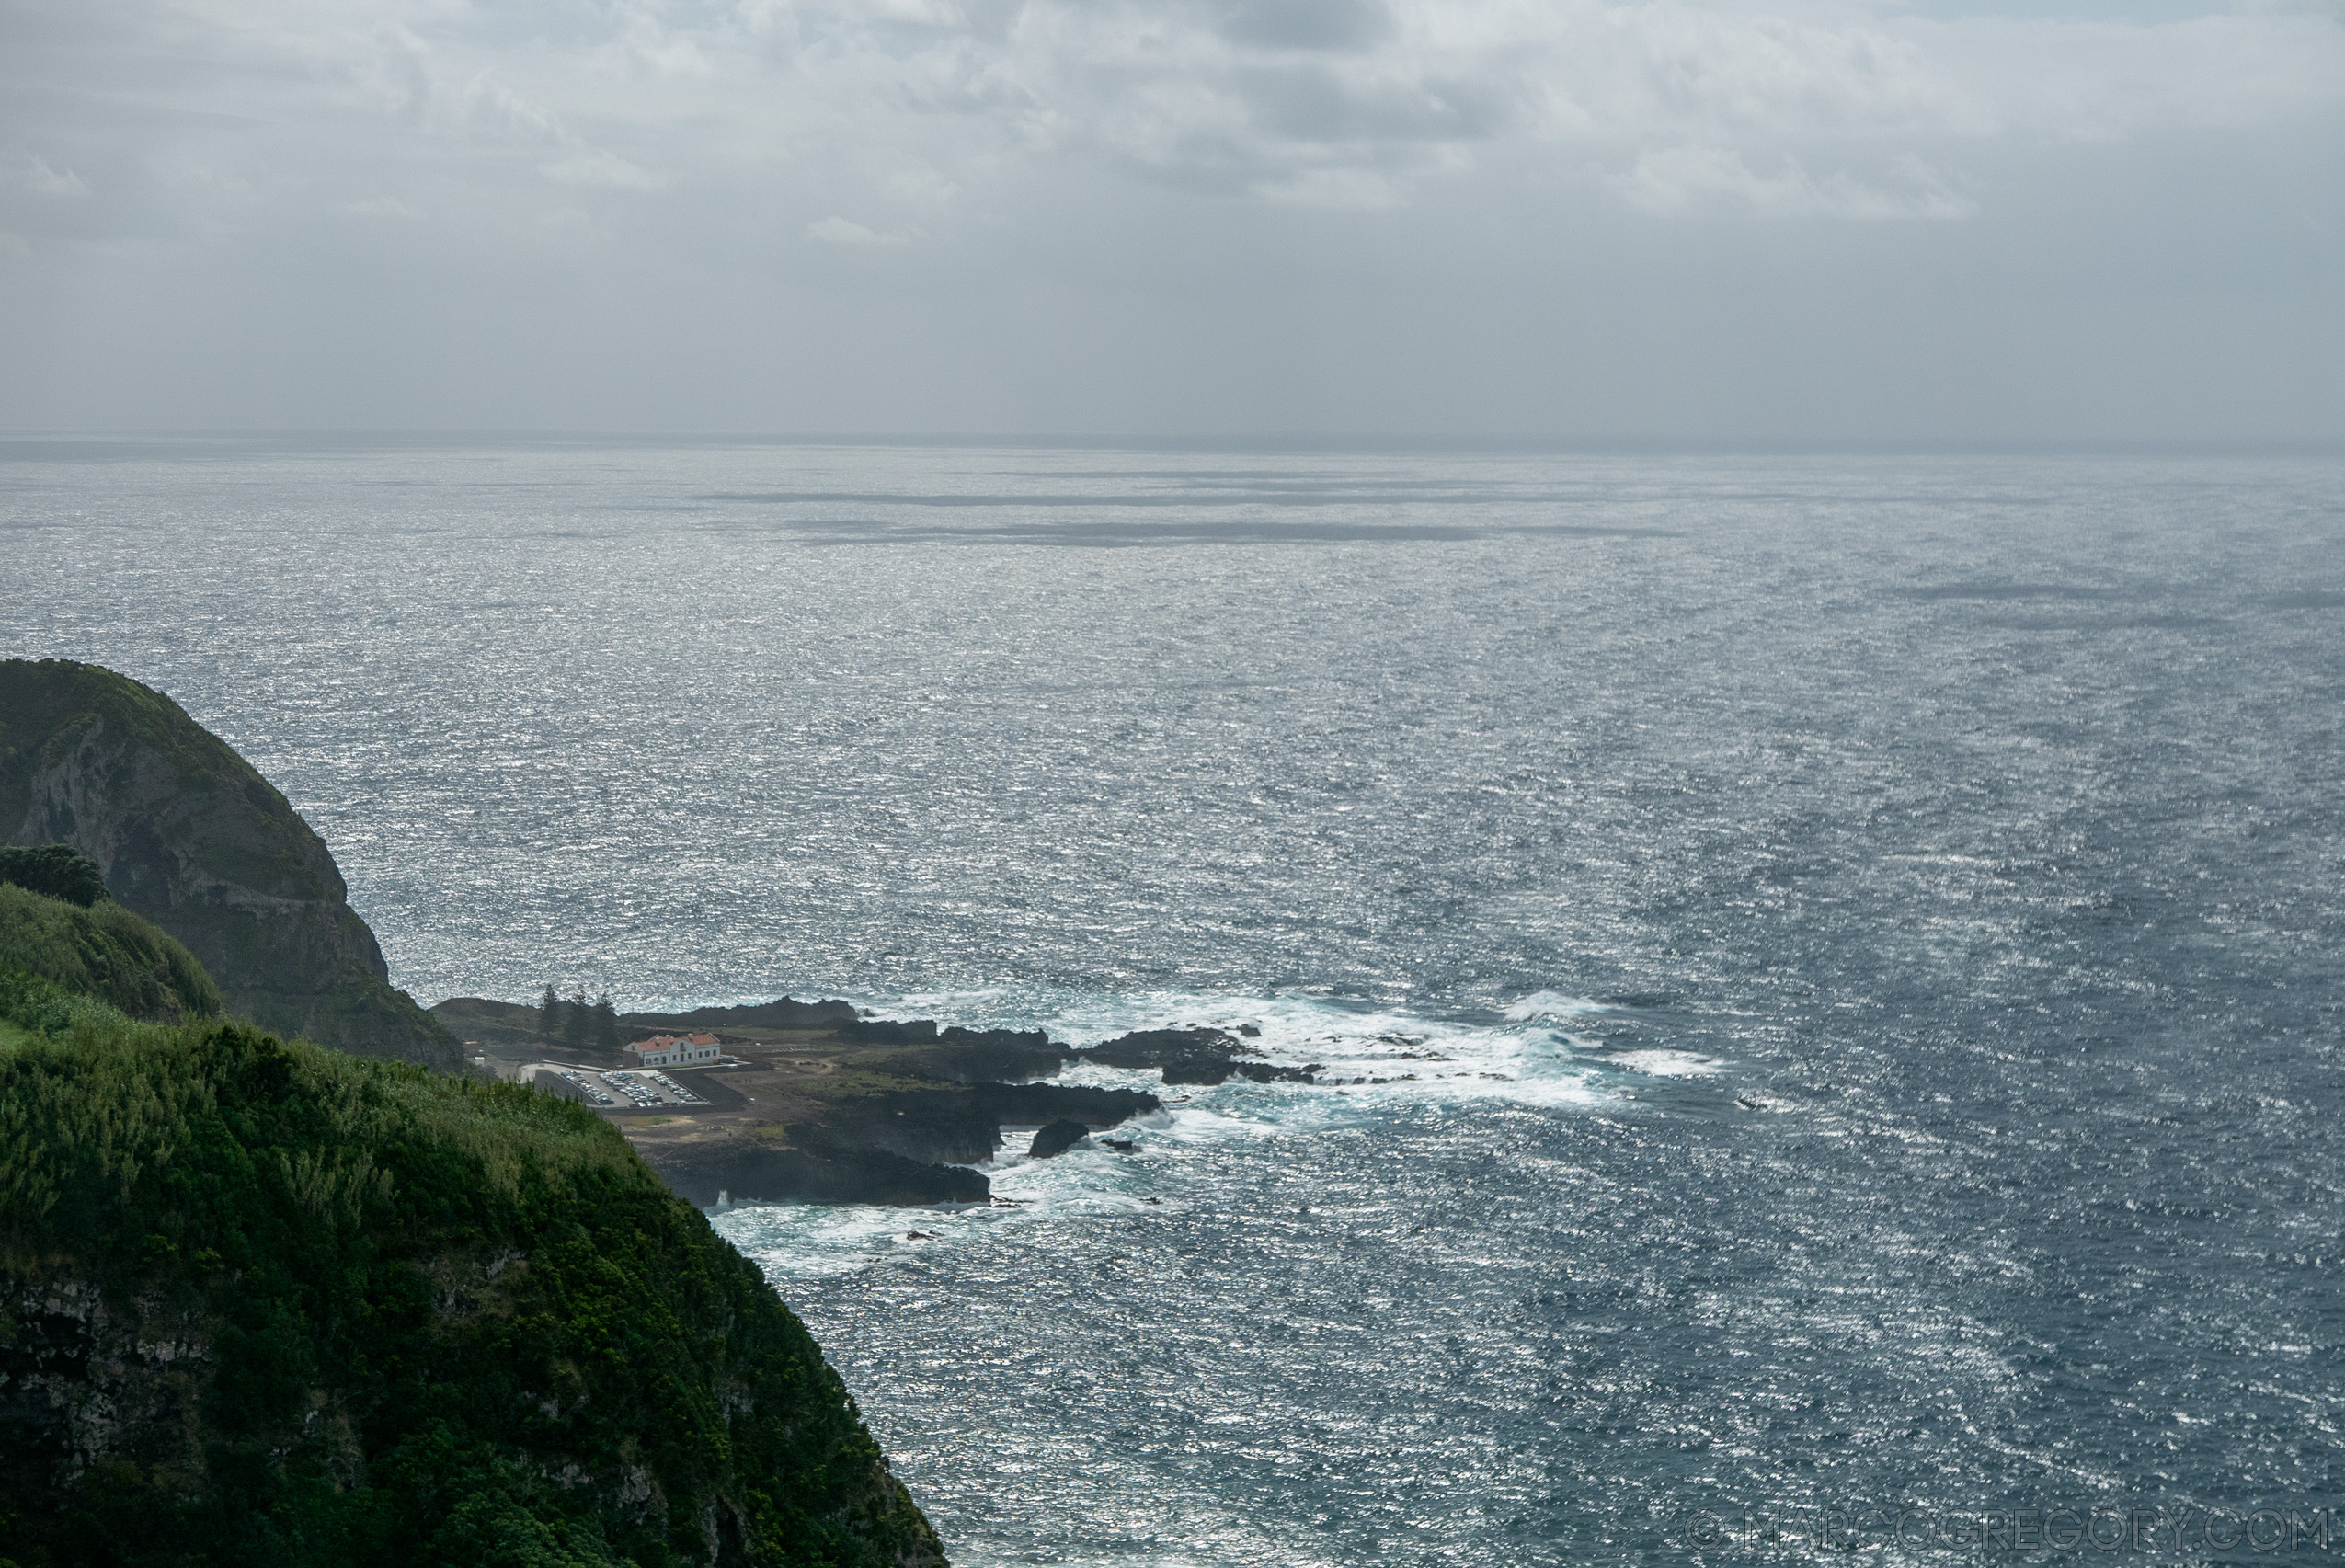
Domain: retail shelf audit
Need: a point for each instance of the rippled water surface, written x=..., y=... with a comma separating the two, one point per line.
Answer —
x=1854, y=945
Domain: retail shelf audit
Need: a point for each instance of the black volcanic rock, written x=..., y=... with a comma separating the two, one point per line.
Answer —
x=1144, y=1048
x=1056, y=1138
x=960, y=1056
x=1264, y=1072
x=1033, y=1102
x=188, y=835
x=972, y=1054
x=783, y=1012
x=1204, y=1057
x=749, y=1170
x=888, y=1031
x=961, y=1124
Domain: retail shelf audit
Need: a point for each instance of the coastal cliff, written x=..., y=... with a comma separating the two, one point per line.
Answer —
x=188, y=835
x=261, y=1302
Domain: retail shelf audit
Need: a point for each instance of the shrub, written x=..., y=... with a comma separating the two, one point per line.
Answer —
x=55, y=871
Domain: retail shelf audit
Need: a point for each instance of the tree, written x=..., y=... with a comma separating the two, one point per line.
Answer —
x=606, y=1024
x=549, y=1012
x=574, y=1018
x=55, y=871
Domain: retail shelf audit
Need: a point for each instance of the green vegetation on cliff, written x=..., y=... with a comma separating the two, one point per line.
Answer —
x=266, y=1304
x=189, y=834
x=56, y=871
x=105, y=952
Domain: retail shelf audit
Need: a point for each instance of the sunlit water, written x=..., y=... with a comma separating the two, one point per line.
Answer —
x=1854, y=942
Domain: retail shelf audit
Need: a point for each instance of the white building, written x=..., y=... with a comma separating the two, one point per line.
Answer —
x=670, y=1050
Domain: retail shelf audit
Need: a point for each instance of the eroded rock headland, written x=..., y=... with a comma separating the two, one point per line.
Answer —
x=817, y=1102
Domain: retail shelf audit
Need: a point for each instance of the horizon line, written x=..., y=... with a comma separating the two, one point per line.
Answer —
x=1295, y=442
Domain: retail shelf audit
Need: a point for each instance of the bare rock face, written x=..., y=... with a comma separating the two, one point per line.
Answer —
x=1056, y=1138
x=191, y=836
x=1204, y=1057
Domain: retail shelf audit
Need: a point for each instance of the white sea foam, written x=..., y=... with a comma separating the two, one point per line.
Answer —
x=1386, y=1054
x=1552, y=1006
x=1375, y=1064
x=803, y=1241
x=1666, y=1064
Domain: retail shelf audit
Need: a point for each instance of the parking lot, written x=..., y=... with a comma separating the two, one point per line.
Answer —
x=624, y=1089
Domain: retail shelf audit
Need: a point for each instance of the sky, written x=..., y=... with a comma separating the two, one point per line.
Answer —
x=1811, y=220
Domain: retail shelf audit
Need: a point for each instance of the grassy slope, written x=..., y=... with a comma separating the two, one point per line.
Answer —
x=104, y=952
x=439, y=1320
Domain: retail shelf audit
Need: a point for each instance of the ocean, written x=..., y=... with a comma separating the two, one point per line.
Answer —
x=1850, y=945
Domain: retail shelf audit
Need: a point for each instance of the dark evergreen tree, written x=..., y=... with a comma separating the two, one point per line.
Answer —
x=574, y=1018
x=606, y=1024
x=549, y=1012
x=55, y=871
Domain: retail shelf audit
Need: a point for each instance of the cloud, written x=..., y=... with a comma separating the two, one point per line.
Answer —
x=31, y=174
x=1362, y=102
x=1822, y=110
x=1072, y=213
x=845, y=231
x=1667, y=182
x=1340, y=188
x=380, y=210
x=594, y=166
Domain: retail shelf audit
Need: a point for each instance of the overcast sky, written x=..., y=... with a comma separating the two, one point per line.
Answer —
x=1801, y=220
